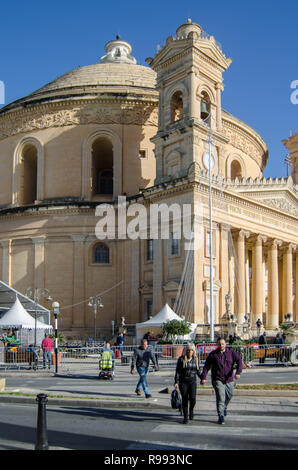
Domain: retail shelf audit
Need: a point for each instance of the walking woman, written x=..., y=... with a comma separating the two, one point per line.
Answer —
x=187, y=371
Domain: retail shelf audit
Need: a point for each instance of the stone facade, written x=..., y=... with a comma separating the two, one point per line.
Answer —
x=117, y=128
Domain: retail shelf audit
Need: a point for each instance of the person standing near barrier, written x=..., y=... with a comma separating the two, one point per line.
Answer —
x=141, y=360
x=47, y=346
x=279, y=341
x=187, y=370
x=119, y=343
x=263, y=345
x=221, y=362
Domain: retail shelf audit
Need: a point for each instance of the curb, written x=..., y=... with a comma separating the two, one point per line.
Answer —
x=102, y=403
x=84, y=403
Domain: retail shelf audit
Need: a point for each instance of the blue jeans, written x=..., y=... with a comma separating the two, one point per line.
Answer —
x=142, y=371
x=46, y=358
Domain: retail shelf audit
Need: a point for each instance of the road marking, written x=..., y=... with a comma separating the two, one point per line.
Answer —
x=230, y=430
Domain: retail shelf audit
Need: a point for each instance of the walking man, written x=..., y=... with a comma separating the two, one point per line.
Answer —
x=221, y=361
x=141, y=359
x=47, y=346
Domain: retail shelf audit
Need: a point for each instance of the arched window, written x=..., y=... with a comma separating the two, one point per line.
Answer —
x=102, y=166
x=205, y=108
x=236, y=170
x=28, y=180
x=101, y=254
x=176, y=106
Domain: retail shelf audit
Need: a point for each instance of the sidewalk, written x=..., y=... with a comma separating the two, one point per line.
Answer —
x=86, y=390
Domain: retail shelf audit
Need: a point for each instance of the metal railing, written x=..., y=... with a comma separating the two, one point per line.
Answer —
x=87, y=358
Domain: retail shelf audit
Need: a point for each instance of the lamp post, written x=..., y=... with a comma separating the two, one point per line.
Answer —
x=209, y=163
x=96, y=303
x=56, y=311
x=36, y=294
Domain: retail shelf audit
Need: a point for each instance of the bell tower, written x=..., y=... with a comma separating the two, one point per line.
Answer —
x=189, y=79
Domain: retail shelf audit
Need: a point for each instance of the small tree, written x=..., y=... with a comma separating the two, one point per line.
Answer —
x=174, y=328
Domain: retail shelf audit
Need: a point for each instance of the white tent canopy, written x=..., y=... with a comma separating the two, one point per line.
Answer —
x=165, y=314
x=18, y=317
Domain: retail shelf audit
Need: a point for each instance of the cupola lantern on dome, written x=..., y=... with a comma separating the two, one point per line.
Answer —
x=118, y=51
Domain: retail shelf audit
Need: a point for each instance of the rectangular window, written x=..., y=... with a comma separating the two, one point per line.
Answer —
x=174, y=245
x=149, y=250
x=142, y=153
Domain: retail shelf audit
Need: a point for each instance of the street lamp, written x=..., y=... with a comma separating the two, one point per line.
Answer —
x=36, y=294
x=56, y=311
x=209, y=163
x=96, y=303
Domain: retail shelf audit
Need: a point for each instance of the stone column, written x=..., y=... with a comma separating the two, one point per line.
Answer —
x=224, y=268
x=78, y=311
x=193, y=113
x=288, y=280
x=273, y=285
x=6, y=261
x=257, y=278
x=240, y=276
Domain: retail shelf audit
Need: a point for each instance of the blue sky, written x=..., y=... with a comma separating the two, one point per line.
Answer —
x=42, y=40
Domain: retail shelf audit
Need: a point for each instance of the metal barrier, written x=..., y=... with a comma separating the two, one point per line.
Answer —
x=73, y=360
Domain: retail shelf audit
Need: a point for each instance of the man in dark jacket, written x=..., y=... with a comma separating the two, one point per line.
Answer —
x=221, y=361
x=119, y=342
x=141, y=359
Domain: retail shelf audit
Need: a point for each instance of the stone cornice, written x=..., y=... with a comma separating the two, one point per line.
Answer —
x=78, y=112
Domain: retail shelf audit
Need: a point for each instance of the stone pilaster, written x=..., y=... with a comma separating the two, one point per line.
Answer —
x=157, y=275
x=6, y=261
x=39, y=262
x=78, y=311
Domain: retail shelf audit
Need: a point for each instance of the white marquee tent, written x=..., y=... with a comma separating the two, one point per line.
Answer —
x=17, y=317
x=155, y=323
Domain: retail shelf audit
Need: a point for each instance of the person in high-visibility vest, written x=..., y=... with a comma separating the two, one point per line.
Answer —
x=107, y=358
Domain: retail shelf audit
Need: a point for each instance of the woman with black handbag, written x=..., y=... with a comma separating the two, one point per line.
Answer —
x=187, y=370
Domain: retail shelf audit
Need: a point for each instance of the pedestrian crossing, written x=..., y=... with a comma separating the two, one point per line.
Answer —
x=240, y=432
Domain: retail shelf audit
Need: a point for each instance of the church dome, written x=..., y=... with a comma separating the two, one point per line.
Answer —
x=116, y=73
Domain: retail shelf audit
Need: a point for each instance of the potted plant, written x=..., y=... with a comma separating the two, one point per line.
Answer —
x=175, y=329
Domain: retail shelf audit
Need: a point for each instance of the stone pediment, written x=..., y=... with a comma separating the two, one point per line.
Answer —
x=281, y=202
x=279, y=193
x=211, y=50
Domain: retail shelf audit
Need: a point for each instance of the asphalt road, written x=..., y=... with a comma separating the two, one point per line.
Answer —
x=261, y=426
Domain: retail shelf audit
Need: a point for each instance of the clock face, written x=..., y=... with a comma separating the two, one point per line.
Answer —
x=206, y=161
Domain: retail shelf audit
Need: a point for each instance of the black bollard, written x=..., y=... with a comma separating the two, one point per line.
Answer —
x=42, y=433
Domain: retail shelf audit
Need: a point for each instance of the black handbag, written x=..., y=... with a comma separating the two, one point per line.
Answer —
x=176, y=401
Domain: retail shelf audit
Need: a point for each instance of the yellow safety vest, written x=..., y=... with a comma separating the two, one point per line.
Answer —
x=106, y=361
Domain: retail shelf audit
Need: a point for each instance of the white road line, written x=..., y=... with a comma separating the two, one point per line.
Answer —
x=230, y=430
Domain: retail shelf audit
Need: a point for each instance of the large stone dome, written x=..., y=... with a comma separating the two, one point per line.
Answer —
x=116, y=73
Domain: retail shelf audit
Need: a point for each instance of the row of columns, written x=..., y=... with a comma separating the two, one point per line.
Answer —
x=257, y=286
